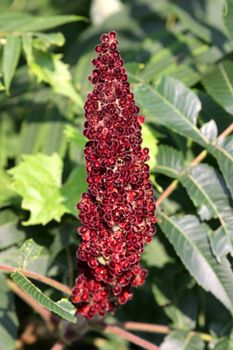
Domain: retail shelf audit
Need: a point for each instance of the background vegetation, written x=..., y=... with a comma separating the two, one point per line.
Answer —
x=178, y=56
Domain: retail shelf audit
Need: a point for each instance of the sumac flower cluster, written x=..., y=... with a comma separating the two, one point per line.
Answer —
x=117, y=212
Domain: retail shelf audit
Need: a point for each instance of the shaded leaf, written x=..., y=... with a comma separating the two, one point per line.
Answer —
x=30, y=250
x=73, y=188
x=9, y=233
x=172, y=104
x=63, y=307
x=223, y=152
x=170, y=161
x=7, y=196
x=219, y=85
x=23, y=22
x=190, y=240
x=178, y=340
x=11, y=53
x=75, y=136
x=9, y=322
x=228, y=18
x=224, y=344
x=207, y=189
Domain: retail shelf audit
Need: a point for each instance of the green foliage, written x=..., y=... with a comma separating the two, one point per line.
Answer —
x=37, y=179
x=62, y=307
x=178, y=56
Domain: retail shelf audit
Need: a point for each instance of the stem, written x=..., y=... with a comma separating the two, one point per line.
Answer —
x=58, y=346
x=160, y=329
x=36, y=276
x=130, y=337
x=226, y=132
x=166, y=193
x=146, y=327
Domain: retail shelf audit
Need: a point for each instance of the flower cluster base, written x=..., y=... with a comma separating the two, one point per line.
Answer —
x=117, y=212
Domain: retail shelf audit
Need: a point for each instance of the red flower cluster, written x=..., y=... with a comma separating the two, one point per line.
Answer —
x=117, y=212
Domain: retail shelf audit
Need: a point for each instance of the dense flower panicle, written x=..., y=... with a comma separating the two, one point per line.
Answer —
x=117, y=212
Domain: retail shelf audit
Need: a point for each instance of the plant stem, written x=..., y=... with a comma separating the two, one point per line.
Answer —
x=130, y=337
x=159, y=328
x=58, y=346
x=173, y=185
x=146, y=327
x=36, y=276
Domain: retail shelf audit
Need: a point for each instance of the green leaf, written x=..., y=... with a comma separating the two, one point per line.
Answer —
x=223, y=152
x=30, y=250
x=11, y=53
x=149, y=140
x=7, y=196
x=50, y=69
x=189, y=21
x=178, y=340
x=219, y=85
x=9, y=233
x=73, y=135
x=224, y=344
x=9, y=322
x=37, y=179
x=228, y=18
x=172, y=104
x=44, y=41
x=207, y=190
x=73, y=188
x=63, y=307
x=22, y=22
x=190, y=240
x=210, y=130
x=170, y=161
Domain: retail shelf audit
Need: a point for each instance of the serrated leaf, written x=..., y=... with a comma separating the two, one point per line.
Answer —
x=219, y=85
x=224, y=344
x=223, y=152
x=50, y=69
x=149, y=140
x=228, y=18
x=23, y=22
x=9, y=233
x=210, y=130
x=178, y=340
x=37, y=179
x=9, y=322
x=44, y=41
x=11, y=53
x=30, y=251
x=170, y=161
x=172, y=104
x=190, y=240
x=206, y=188
x=63, y=307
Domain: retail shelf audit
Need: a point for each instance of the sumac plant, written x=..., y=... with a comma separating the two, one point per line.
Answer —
x=87, y=180
x=117, y=212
